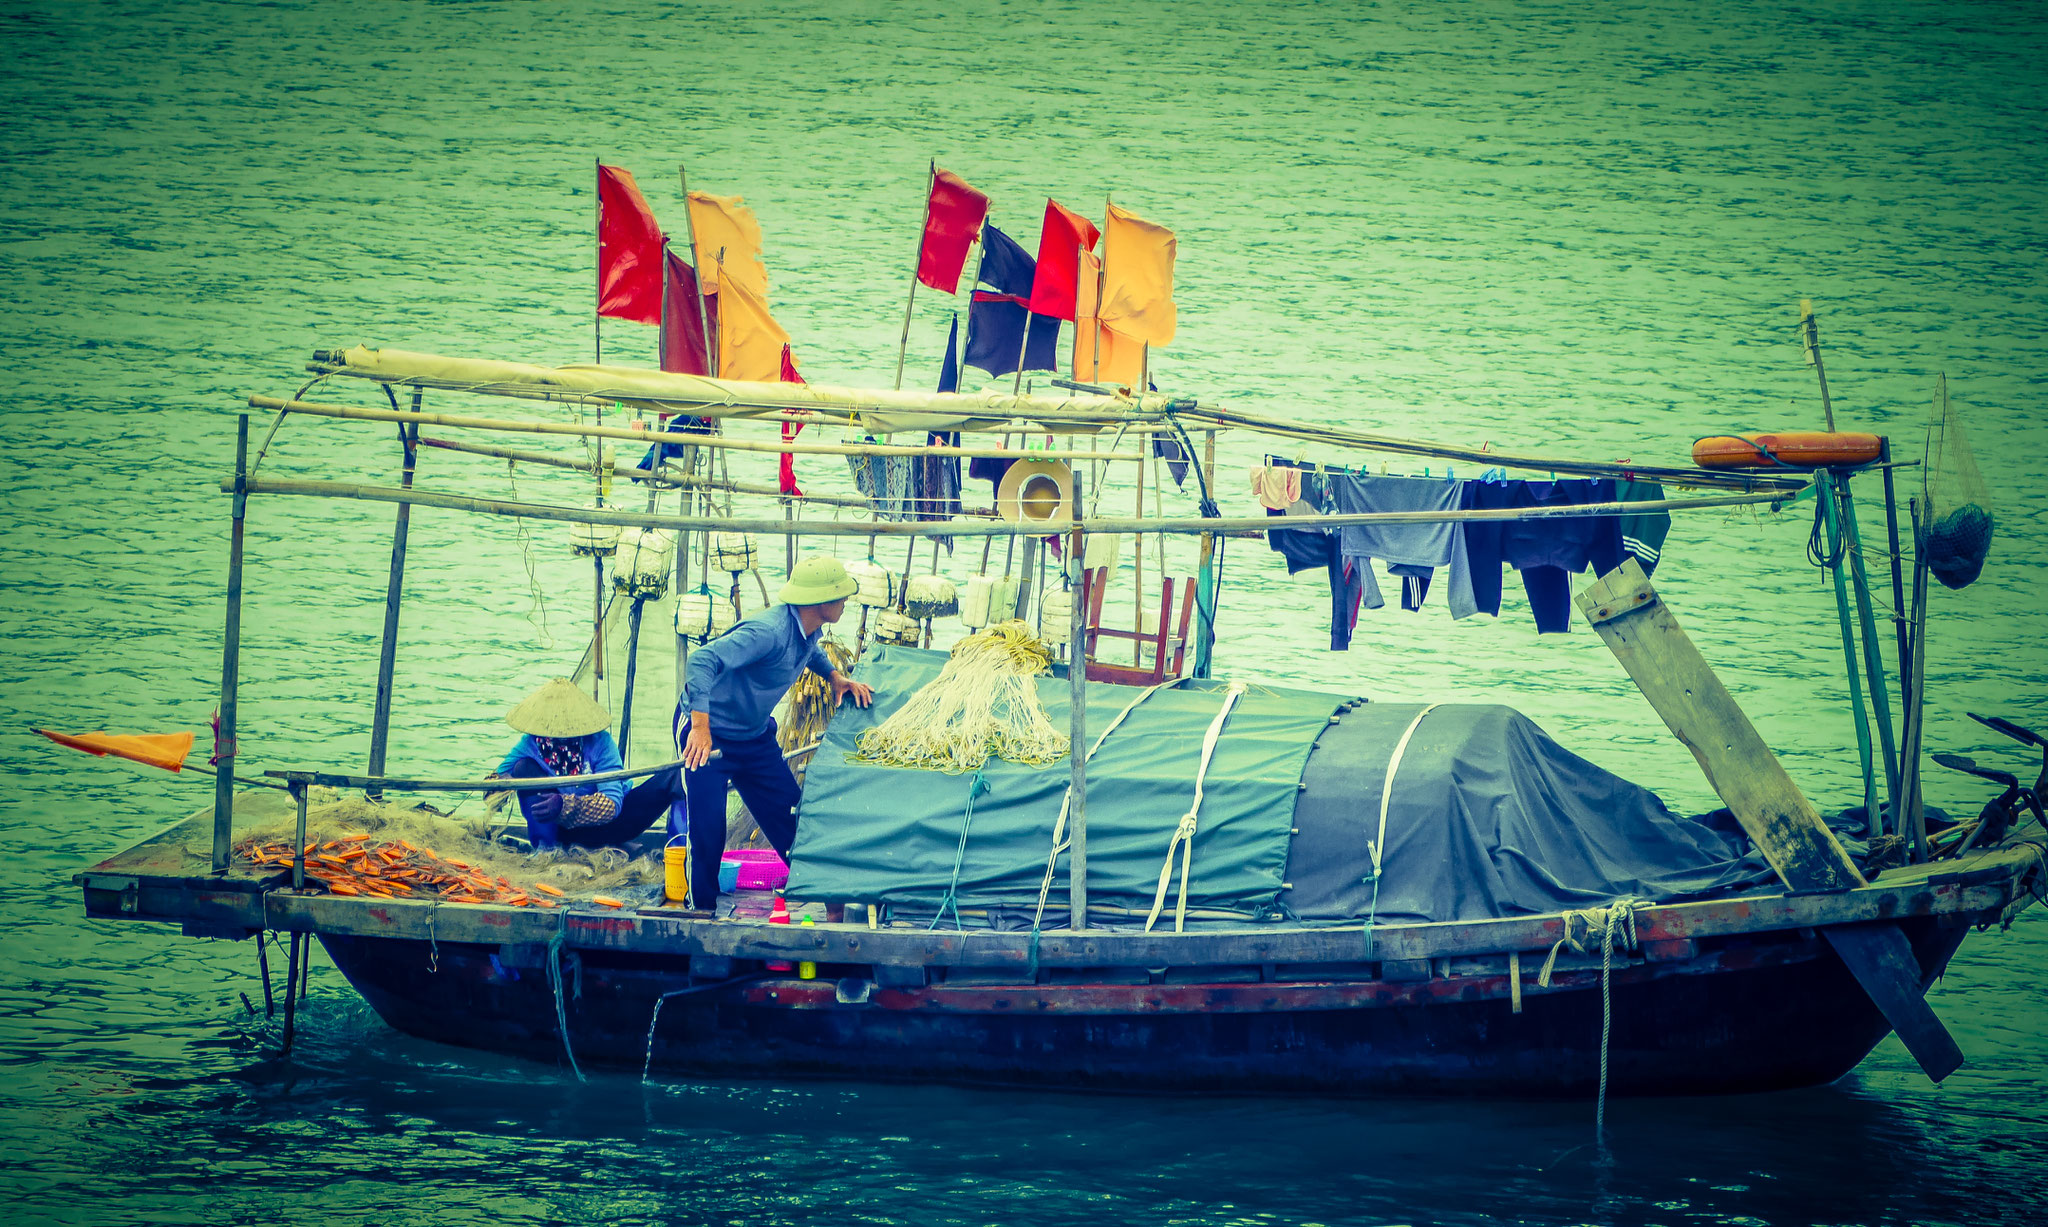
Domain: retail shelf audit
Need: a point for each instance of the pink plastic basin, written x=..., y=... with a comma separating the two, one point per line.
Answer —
x=760, y=868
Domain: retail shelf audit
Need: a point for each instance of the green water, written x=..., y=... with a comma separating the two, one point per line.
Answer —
x=1545, y=225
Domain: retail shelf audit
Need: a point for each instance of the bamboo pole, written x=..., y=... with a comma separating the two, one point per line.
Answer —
x=1914, y=820
x=760, y=400
x=916, y=261
x=1205, y=555
x=230, y=662
x=394, y=586
x=516, y=426
x=597, y=243
x=1810, y=328
x=1138, y=574
x=660, y=477
x=1873, y=656
x=952, y=528
x=1077, y=725
x=1830, y=511
x=697, y=273
x=1899, y=621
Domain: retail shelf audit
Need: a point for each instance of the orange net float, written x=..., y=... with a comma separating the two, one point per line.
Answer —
x=1787, y=449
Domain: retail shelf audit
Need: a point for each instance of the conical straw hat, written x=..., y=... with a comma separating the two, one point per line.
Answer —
x=559, y=709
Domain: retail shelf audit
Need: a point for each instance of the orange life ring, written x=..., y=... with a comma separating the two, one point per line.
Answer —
x=1798, y=449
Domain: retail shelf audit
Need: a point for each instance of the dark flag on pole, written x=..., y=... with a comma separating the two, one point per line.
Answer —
x=995, y=333
x=996, y=321
x=683, y=347
x=949, y=374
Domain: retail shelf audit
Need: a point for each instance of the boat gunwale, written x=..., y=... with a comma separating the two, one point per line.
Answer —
x=1983, y=884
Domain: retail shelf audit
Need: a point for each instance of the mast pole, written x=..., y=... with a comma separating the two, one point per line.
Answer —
x=597, y=239
x=1077, y=724
x=697, y=268
x=903, y=348
x=394, y=586
x=230, y=664
x=1809, y=328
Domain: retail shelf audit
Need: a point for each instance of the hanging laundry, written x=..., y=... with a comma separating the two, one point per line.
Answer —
x=1306, y=549
x=1643, y=532
x=1547, y=552
x=1412, y=552
x=1277, y=487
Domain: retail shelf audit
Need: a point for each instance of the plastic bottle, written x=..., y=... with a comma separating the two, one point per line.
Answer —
x=780, y=916
x=807, y=970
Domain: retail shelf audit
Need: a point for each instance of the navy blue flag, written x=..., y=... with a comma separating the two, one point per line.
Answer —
x=949, y=374
x=996, y=321
x=995, y=330
x=1004, y=265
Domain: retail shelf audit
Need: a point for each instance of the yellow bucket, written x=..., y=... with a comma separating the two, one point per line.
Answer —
x=675, y=870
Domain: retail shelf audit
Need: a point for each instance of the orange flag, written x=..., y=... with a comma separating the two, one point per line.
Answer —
x=728, y=244
x=1137, y=277
x=1101, y=353
x=166, y=750
x=750, y=342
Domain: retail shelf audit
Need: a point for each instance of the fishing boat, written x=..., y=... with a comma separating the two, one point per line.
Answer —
x=1211, y=886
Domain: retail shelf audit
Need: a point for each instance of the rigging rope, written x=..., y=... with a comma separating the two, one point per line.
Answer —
x=1184, y=833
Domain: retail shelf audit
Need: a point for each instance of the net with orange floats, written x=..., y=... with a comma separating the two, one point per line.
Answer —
x=397, y=869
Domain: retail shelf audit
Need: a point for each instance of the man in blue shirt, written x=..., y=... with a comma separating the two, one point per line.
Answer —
x=730, y=690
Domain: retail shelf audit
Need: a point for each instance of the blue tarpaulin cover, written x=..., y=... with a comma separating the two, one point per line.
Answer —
x=889, y=835
x=1489, y=818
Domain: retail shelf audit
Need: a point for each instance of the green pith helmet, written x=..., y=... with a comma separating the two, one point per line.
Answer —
x=817, y=579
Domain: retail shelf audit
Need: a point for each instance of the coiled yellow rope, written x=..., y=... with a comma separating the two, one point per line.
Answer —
x=983, y=703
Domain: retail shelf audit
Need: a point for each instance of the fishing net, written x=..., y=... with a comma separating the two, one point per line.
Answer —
x=984, y=702
x=377, y=848
x=1957, y=523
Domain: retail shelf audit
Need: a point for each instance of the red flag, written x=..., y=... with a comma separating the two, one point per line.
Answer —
x=1061, y=240
x=628, y=250
x=785, y=478
x=952, y=221
x=683, y=348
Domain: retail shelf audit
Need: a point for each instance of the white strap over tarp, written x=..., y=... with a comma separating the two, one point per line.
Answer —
x=669, y=392
x=1377, y=847
x=1184, y=834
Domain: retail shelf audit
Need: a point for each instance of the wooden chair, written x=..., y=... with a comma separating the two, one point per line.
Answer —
x=1169, y=644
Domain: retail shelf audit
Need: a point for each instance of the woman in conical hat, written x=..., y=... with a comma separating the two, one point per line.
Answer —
x=566, y=732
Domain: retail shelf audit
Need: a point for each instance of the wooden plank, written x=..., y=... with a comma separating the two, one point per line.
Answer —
x=1644, y=636
x=1882, y=960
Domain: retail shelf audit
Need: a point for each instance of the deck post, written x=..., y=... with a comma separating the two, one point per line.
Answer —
x=1205, y=553
x=230, y=664
x=387, y=655
x=1665, y=665
x=1077, y=723
x=297, y=787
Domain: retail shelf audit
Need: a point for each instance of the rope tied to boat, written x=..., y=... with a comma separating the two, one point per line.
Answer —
x=555, y=945
x=1184, y=833
x=951, y=900
x=1616, y=920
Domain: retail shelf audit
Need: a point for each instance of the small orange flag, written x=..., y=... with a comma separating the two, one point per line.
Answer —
x=728, y=244
x=1137, y=277
x=1101, y=353
x=166, y=750
x=750, y=342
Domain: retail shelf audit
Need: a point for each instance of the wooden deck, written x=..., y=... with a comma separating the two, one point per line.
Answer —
x=166, y=880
